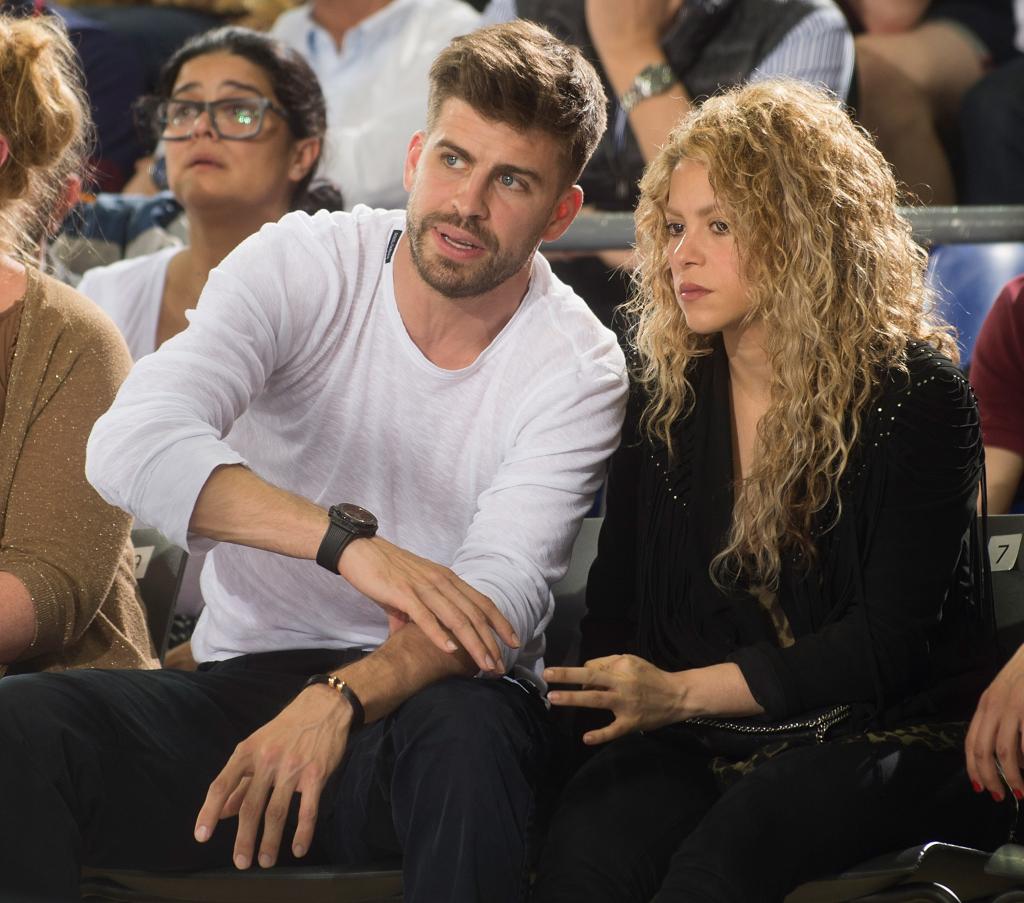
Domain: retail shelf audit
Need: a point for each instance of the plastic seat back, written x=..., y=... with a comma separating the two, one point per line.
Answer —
x=967, y=278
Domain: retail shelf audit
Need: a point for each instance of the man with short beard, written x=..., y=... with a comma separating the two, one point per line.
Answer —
x=428, y=368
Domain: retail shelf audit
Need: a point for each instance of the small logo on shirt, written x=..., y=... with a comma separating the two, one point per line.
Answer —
x=392, y=244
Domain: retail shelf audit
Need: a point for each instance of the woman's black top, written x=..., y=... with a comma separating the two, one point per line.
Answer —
x=889, y=615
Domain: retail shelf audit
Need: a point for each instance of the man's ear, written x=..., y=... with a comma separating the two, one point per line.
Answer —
x=412, y=159
x=564, y=213
x=304, y=156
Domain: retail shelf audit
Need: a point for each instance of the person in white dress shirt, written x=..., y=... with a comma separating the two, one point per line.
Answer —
x=372, y=58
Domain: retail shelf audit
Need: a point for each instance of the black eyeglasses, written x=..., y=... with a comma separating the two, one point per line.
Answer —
x=233, y=118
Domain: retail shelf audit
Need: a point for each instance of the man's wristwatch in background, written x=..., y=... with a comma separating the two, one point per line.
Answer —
x=347, y=522
x=651, y=80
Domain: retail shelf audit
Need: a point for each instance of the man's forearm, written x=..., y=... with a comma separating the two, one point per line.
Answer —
x=237, y=506
x=406, y=663
x=652, y=119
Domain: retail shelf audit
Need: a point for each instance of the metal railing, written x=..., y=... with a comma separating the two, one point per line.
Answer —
x=932, y=225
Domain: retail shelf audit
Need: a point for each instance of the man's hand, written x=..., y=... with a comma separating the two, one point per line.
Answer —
x=297, y=751
x=641, y=696
x=994, y=738
x=433, y=597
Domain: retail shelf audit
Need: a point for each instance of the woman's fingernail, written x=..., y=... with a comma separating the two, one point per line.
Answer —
x=998, y=797
x=1019, y=794
x=977, y=787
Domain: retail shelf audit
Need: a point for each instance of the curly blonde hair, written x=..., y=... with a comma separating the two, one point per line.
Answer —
x=833, y=274
x=44, y=116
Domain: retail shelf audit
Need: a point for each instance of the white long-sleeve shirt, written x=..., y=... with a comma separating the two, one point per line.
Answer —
x=297, y=363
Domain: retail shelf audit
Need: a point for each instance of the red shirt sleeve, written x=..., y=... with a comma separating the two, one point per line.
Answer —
x=997, y=370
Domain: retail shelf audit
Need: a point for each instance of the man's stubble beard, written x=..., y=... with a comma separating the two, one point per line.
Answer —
x=451, y=278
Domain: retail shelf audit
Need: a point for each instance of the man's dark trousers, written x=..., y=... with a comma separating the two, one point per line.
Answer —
x=110, y=768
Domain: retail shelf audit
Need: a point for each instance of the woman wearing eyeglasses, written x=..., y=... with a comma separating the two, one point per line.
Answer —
x=67, y=595
x=242, y=121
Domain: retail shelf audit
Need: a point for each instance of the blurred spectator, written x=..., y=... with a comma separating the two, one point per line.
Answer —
x=915, y=61
x=233, y=168
x=992, y=131
x=372, y=58
x=658, y=57
x=997, y=374
x=113, y=82
x=246, y=165
x=112, y=227
x=67, y=594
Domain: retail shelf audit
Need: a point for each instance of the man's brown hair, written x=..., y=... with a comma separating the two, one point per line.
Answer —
x=521, y=75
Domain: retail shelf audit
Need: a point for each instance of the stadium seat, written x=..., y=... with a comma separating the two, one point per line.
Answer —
x=967, y=278
x=159, y=567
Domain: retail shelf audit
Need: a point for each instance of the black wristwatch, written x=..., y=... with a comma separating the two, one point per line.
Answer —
x=348, y=522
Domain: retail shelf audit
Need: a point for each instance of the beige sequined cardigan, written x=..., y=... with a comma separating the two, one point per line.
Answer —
x=70, y=548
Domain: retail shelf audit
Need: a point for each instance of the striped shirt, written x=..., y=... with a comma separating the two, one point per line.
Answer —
x=818, y=50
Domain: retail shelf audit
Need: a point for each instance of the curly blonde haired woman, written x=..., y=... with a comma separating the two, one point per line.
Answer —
x=67, y=590
x=790, y=551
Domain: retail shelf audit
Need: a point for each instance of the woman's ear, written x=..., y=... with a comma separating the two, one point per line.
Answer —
x=305, y=154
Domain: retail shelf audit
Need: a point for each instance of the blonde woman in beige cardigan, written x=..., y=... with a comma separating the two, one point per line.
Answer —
x=67, y=591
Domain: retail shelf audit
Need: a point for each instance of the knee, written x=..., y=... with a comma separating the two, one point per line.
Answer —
x=27, y=704
x=43, y=713
x=460, y=719
x=888, y=99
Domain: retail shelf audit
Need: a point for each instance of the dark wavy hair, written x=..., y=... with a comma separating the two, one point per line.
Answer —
x=293, y=82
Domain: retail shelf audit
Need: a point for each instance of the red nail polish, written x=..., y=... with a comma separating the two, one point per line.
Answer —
x=998, y=797
x=1019, y=794
x=977, y=787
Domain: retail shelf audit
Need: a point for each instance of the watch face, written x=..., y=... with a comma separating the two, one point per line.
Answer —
x=360, y=517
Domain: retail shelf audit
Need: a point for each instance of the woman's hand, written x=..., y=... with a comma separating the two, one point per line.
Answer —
x=641, y=696
x=994, y=739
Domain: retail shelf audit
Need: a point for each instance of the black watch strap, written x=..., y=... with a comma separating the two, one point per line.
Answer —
x=332, y=545
x=345, y=522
